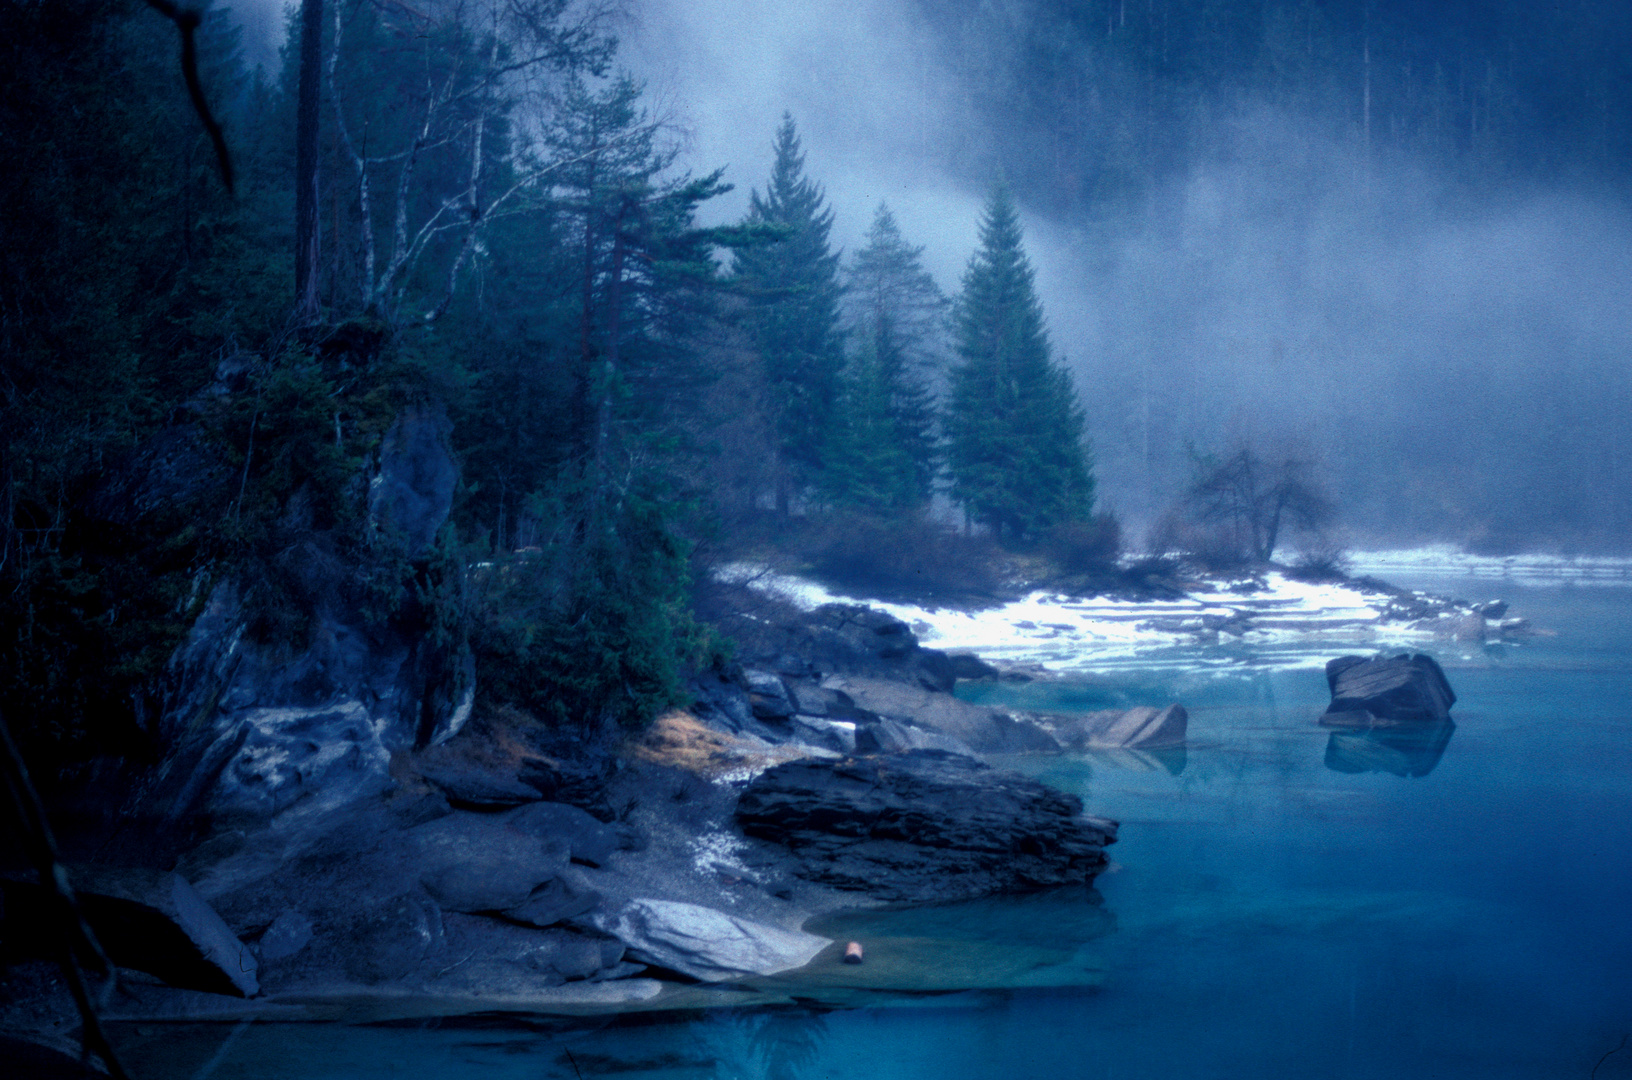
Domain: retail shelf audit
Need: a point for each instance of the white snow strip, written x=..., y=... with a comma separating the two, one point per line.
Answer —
x=1288, y=624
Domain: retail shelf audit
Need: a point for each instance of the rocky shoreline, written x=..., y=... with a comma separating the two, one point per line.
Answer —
x=365, y=842
x=500, y=870
x=496, y=870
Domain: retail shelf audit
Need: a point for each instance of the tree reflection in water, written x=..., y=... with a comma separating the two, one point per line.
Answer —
x=779, y=1044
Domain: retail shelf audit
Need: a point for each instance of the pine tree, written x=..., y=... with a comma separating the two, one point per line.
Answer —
x=1015, y=440
x=885, y=456
x=793, y=291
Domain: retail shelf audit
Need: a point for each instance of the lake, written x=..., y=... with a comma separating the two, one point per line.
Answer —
x=1285, y=902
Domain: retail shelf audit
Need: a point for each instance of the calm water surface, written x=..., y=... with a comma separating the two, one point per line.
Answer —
x=1286, y=904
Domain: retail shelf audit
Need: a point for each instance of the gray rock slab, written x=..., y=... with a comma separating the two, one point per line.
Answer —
x=479, y=862
x=590, y=839
x=705, y=943
x=555, y=901
x=767, y=695
x=1139, y=728
x=470, y=785
x=328, y=756
x=289, y=933
x=890, y=736
x=836, y=735
x=983, y=730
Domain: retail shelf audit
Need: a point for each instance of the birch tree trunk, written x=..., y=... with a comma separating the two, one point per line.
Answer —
x=306, y=158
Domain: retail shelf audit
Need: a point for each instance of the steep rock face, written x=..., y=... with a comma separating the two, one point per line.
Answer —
x=411, y=493
x=255, y=729
x=925, y=825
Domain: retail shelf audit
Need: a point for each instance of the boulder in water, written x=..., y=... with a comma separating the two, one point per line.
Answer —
x=1387, y=690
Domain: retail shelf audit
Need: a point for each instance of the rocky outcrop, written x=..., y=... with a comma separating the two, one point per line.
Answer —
x=704, y=943
x=1386, y=690
x=252, y=729
x=842, y=639
x=411, y=492
x=375, y=896
x=144, y=919
x=923, y=826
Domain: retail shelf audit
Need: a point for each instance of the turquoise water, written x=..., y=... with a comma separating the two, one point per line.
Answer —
x=1274, y=912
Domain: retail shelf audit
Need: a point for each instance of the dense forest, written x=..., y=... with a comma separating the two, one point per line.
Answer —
x=474, y=211
x=467, y=213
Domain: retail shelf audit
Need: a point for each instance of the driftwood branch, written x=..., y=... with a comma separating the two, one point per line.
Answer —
x=186, y=21
x=76, y=943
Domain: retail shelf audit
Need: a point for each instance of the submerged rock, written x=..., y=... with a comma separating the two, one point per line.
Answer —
x=704, y=943
x=1397, y=689
x=1140, y=728
x=925, y=825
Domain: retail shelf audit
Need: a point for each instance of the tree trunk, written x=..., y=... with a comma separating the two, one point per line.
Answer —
x=306, y=116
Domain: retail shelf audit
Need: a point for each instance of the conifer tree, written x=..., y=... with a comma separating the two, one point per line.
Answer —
x=793, y=291
x=1015, y=441
x=885, y=457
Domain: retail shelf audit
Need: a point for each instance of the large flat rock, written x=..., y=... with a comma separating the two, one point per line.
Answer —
x=705, y=943
x=923, y=826
x=481, y=862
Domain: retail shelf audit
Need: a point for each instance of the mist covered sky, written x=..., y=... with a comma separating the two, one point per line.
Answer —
x=1459, y=365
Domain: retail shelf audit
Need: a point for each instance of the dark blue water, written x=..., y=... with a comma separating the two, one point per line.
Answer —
x=1462, y=909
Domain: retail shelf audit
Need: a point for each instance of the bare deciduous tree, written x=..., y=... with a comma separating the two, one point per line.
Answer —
x=483, y=64
x=1239, y=506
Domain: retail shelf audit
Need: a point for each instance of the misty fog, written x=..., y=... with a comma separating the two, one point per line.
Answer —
x=1454, y=355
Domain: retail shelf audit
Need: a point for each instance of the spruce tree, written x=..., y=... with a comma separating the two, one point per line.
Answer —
x=1015, y=442
x=792, y=286
x=885, y=457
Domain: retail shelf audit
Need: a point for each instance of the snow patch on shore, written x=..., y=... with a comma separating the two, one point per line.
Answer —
x=1277, y=622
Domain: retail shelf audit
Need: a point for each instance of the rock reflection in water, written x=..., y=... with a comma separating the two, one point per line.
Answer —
x=1407, y=750
x=1171, y=760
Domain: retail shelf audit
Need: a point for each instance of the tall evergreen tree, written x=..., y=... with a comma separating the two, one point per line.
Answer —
x=885, y=456
x=1015, y=441
x=793, y=319
x=606, y=624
